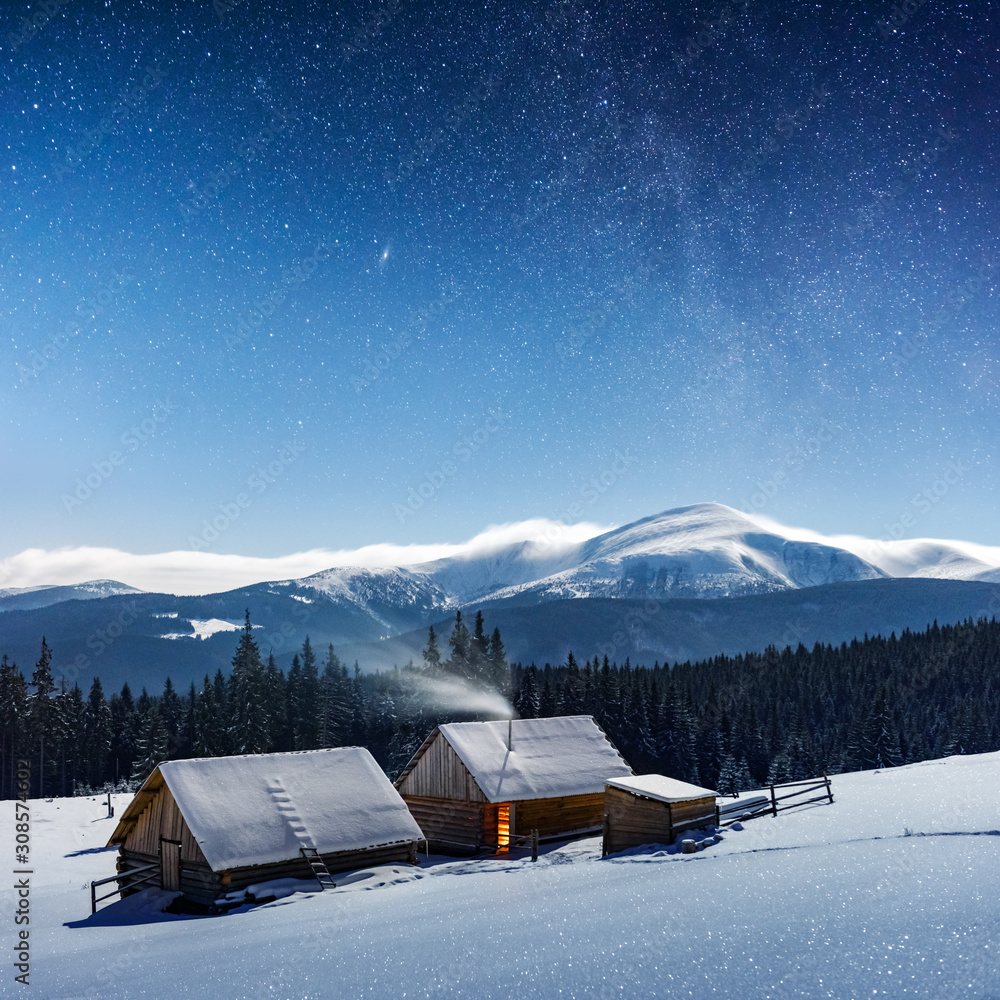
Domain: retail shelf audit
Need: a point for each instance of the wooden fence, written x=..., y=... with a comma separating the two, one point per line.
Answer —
x=767, y=805
x=148, y=873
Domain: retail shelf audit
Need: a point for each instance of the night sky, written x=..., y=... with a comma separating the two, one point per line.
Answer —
x=394, y=272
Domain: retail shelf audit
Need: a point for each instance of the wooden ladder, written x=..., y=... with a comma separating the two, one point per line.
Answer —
x=318, y=867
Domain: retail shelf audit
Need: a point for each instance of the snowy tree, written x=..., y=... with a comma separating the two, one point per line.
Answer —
x=249, y=727
x=151, y=748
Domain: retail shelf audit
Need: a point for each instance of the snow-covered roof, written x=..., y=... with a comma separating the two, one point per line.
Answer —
x=659, y=786
x=260, y=809
x=550, y=757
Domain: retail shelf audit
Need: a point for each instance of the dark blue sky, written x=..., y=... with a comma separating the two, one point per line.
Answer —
x=489, y=253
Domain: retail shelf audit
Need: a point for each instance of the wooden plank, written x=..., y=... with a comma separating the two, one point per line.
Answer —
x=440, y=774
x=635, y=820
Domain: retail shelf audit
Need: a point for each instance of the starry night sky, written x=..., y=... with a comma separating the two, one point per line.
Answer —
x=747, y=253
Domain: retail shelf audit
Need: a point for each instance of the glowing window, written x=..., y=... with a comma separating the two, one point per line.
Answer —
x=503, y=827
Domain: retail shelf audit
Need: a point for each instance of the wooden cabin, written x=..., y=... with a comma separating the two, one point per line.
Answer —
x=474, y=785
x=652, y=809
x=217, y=825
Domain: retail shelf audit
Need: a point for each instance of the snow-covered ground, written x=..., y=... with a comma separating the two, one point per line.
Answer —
x=892, y=891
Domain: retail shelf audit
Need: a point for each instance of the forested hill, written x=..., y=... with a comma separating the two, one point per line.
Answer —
x=726, y=722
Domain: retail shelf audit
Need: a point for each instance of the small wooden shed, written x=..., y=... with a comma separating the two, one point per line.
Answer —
x=216, y=825
x=652, y=809
x=474, y=785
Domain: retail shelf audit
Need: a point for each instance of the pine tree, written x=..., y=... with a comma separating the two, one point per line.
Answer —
x=335, y=716
x=151, y=748
x=547, y=704
x=124, y=726
x=305, y=702
x=276, y=699
x=172, y=713
x=733, y=776
x=432, y=655
x=499, y=669
x=572, y=688
x=610, y=713
x=479, y=648
x=249, y=728
x=458, y=642
x=13, y=725
x=527, y=704
x=674, y=737
x=97, y=732
x=43, y=719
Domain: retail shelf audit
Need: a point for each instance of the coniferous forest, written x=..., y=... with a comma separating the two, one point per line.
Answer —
x=729, y=723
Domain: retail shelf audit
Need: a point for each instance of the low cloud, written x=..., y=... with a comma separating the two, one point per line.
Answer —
x=902, y=556
x=188, y=572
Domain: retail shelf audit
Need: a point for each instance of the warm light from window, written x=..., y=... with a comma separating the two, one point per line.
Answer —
x=503, y=828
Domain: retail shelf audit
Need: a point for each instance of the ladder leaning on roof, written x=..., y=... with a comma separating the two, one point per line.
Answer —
x=318, y=866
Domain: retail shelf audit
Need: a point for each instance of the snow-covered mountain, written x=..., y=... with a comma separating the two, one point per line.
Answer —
x=705, y=550
x=688, y=583
x=26, y=598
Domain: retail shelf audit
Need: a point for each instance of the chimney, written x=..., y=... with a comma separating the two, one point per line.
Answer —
x=510, y=726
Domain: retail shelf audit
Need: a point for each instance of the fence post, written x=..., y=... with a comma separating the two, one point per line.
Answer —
x=93, y=899
x=829, y=787
x=774, y=804
x=534, y=845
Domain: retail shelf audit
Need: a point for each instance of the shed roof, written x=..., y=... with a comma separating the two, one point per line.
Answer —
x=549, y=758
x=261, y=808
x=659, y=786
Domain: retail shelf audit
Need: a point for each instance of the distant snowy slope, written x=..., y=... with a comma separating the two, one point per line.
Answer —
x=929, y=558
x=377, y=591
x=28, y=598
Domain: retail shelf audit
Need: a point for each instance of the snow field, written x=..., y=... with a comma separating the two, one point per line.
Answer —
x=891, y=892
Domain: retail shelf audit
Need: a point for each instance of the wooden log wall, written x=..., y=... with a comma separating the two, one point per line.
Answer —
x=633, y=820
x=552, y=817
x=440, y=774
x=452, y=823
x=202, y=885
x=162, y=818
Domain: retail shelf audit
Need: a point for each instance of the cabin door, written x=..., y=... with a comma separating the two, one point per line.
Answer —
x=170, y=865
x=505, y=821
